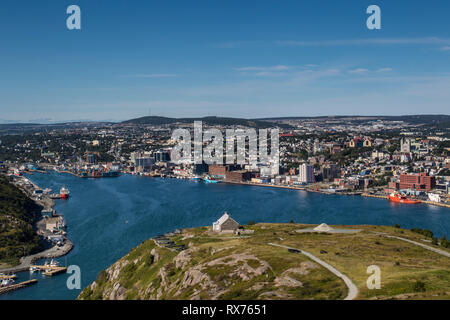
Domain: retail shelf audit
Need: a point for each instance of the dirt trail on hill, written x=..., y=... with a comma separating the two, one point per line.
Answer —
x=352, y=289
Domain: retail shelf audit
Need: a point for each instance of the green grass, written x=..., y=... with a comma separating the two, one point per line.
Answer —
x=406, y=269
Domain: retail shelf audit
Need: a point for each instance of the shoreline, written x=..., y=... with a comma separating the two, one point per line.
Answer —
x=54, y=252
x=362, y=194
x=345, y=193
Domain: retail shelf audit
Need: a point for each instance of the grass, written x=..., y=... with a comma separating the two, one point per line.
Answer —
x=406, y=269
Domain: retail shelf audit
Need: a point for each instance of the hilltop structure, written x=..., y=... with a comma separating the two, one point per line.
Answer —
x=225, y=224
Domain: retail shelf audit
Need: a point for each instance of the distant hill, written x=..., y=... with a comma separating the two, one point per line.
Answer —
x=18, y=128
x=413, y=119
x=18, y=213
x=218, y=121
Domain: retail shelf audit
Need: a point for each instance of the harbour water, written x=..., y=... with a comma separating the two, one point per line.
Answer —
x=108, y=217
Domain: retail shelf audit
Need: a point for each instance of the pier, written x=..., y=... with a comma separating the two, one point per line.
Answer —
x=50, y=270
x=433, y=203
x=7, y=277
x=17, y=286
x=374, y=196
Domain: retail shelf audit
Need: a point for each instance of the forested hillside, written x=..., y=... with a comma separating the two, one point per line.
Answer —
x=17, y=215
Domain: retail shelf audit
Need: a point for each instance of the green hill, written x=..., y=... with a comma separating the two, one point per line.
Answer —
x=218, y=121
x=247, y=267
x=18, y=213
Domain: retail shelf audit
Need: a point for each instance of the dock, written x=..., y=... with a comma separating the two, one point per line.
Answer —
x=50, y=270
x=433, y=203
x=7, y=277
x=17, y=286
x=374, y=196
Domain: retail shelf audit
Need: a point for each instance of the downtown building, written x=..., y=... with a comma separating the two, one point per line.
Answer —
x=306, y=173
x=417, y=181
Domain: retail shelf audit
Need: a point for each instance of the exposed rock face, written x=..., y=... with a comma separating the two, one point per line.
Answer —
x=155, y=255
x=206, y=267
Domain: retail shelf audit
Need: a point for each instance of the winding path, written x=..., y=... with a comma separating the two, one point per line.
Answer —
x=441, y=252
x=352, y=289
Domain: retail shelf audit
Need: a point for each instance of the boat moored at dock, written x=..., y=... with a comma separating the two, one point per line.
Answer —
x=64, y=193
x=402, y=198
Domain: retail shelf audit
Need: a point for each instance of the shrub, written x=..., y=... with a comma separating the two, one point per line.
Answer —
x=419, y=286
x=444, y=242
x=425, y=232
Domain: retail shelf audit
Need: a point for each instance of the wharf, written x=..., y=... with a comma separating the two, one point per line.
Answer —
x=440, y=204
x=17, y=286
x=374, y=196
x=7, y=277
x=70, y=172
x=50, y=270
x=38, y=170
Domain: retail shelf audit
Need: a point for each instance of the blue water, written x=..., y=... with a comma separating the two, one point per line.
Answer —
x=97, y=212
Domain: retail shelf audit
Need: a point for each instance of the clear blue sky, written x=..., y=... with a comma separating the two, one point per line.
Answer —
x=241, y=58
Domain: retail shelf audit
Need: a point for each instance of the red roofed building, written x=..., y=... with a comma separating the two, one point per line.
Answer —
x=356, y=143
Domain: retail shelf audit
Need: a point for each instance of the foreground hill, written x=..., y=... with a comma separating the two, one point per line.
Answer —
x=250, y=267
x=18, y=213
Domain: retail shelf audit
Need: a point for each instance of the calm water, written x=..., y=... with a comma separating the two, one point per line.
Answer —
x=98, y=210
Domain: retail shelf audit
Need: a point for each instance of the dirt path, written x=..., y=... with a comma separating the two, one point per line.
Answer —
x=438, y=251
x=352, y=289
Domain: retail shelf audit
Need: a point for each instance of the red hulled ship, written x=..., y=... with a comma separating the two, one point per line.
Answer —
x=64, y=193
x=401, y=198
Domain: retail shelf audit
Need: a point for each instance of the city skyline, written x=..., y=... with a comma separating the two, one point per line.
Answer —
x=231, y=59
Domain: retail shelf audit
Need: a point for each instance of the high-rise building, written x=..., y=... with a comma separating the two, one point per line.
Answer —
x=162, y=156
x=330, y=172
x=91, y=158
x=306, y=173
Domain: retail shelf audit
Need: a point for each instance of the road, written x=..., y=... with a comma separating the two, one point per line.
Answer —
x=54, y=252
x=352, y=289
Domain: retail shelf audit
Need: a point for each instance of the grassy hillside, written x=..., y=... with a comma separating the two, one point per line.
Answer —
x=17, y=215
x=231, y=267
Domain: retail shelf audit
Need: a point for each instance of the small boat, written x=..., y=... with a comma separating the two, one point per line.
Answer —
x=64, y=193
x=54, y=263
x=7, y=282
x=402, y=198
x=209, y=180
x=196, y=178
x=33, y=269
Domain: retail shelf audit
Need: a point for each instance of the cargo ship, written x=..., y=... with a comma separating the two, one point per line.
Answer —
x=401, y=198
x=64, y=193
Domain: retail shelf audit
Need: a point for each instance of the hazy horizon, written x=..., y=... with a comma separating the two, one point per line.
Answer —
x=226, y=58
x=49, y=121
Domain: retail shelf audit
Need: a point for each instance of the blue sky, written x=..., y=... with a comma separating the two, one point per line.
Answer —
x=242, y=58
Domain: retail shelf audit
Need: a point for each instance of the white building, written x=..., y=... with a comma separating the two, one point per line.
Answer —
x=225, y=224
x=434, y=197
x=306, y=173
